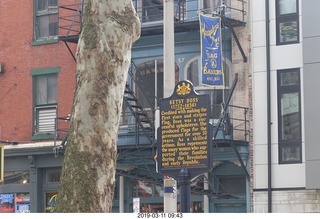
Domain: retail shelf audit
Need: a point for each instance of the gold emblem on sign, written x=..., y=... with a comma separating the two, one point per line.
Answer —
x=183, y=89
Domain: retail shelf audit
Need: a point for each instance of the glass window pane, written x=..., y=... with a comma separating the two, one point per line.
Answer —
x=290, y=116
x=53, y=25
x=193, y=72
x=158, y=191
x=289, y=78
x=53, y=2
x=42, y=5
x=144, y=189
x=16, y=177
x=52, y=175
x=46, y=89
x=289, y=154
x=22, y=203
x=47, y=19
x=52, y=89
x=43, y=26
x=146, y=78
x=141, y=188
x=41, y=84
x=232, y=185
x=152, y=11
x=217, y=99
x=226, y=69
x=288, y=31
x=7, y=203
x=124, y=113
x=211, y=4
x=48, y=25
x=287, y=6
x=50, y=198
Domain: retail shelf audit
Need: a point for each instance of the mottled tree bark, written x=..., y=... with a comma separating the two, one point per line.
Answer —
x=103, y=56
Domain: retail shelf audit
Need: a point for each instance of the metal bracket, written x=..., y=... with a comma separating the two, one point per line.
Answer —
x=32, y=161
x=241, y=161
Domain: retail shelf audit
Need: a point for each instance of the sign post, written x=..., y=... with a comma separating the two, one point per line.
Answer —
x=185, y=137
x=185, y=189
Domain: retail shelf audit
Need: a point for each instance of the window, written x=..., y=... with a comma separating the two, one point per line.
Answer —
x=15, y=203
x=289, y=116
x=142, y=188
x=147, y=89
x=45, y=101
x=46, y=19
x=232, y=185
x=287, y=21
x=50, y=200
x=52, y=175
x=16, y=177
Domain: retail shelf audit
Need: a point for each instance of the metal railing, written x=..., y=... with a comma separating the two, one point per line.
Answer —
x=70, y=20
x=150, y=12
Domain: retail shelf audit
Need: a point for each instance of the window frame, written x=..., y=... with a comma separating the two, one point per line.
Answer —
x=289, y=17
x=221, y=185
x=288, y=90
x=36, y=73
x=37, y=40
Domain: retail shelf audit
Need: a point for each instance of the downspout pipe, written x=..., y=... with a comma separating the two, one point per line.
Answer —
x=268, y=105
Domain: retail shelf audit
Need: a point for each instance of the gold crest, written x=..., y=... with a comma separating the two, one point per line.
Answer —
x=183, y=89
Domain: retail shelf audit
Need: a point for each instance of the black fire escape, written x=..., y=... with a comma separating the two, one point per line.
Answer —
x=135, y=156
x=140, y=126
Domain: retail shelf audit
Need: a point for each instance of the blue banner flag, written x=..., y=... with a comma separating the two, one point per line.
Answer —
x=211, y=55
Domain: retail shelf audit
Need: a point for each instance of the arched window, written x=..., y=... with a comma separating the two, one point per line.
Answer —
x=147, y=83
x=150, y=86
x=217, y=95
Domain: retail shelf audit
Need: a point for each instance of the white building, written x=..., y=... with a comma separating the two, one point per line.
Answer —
x=285, y=60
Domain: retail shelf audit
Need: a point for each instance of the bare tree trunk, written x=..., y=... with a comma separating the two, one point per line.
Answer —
x=87, y=182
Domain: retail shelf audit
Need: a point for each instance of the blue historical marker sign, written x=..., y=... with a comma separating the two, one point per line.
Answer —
x=184, y=134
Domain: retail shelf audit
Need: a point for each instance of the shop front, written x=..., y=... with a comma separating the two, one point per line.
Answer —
x=31, y=179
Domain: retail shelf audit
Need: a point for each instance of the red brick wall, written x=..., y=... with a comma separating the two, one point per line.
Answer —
x=18, y=57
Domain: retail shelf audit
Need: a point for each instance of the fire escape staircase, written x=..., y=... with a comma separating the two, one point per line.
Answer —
x=144, y=118
x=143, y=121
x=70, y=17
x=69, y=32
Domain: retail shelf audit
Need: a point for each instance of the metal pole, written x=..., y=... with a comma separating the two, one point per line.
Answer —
x=121, y=195
x=269, y=138
x=168, y=48
x=155, y=83
x=205, y=197
x=185, y=190
x=169, y=199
